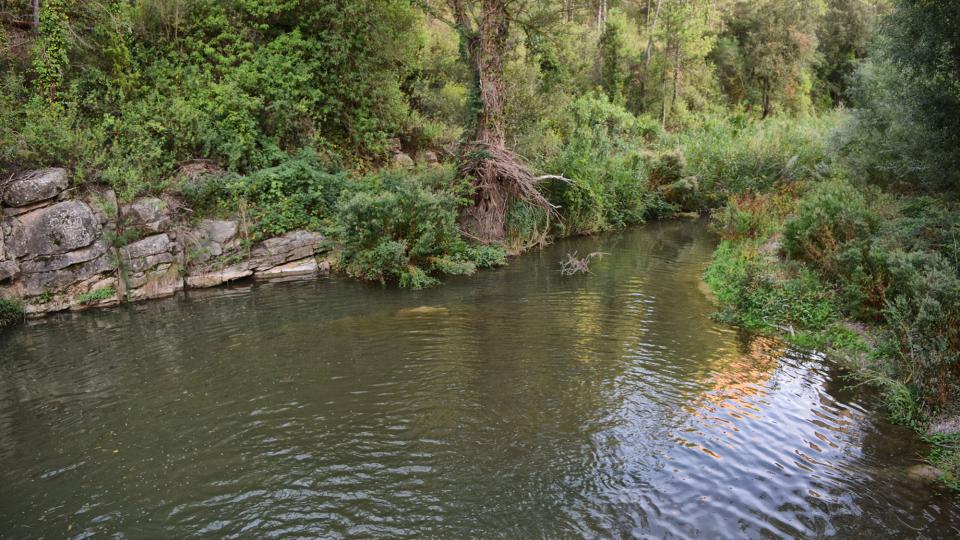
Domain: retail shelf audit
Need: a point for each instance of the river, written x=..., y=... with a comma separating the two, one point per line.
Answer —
x=515, y=403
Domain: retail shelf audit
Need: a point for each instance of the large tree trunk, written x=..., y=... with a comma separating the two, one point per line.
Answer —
x=496, y=174
x=485, y=220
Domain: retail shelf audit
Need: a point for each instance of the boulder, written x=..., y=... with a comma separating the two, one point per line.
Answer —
x=33, y=284
x=303, y=267
x=212, y=279
x=148, y=253
x=51, y=263
x=210, y=239
x=35, y=186
x=163, y=280
x=53, y=230
x=148, y=214
x=9, y=270
x=402, y=160
x=292, y=246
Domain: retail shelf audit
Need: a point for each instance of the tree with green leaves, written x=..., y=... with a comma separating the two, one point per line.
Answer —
x=613, y=68
x=768, y=51
x=908, y=99
x=497, y=175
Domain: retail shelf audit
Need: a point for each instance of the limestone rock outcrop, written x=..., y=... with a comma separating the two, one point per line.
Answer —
x=35, y=186
x=62, y=250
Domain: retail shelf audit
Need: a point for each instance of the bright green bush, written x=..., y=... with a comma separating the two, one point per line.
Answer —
x=96, y=296
x=297, y=194
x=601, y=157
x=403, y=229
x=754, y=293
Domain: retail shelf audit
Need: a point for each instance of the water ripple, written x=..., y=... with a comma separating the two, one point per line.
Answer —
x=516, y=403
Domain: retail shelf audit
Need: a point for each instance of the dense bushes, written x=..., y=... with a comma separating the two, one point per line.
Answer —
x=602, y=156
x=402, y=229
x=299, y=193
x=126, y=92
x=908, y=101
x=394, y=227
x=758, y=295
x=731, y=155
x=855, y=253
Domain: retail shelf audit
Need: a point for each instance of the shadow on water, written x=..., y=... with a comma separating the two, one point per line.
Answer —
x=517, y=403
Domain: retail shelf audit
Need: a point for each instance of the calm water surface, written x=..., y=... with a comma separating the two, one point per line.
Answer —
x=517, y=403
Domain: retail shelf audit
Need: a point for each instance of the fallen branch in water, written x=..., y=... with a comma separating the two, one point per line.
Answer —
x=573, y=264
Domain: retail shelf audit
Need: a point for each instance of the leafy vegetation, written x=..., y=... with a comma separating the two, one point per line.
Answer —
x=98, y=295
x=402, y=229
x=821, y=134
x=11, y=312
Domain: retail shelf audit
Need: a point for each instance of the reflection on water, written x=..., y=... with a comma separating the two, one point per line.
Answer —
x=515, y=403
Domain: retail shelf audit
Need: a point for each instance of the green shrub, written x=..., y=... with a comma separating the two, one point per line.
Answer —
x=829, y=218
x=297, y=194
x=98, y=295
x=402, y=229
x=754, y=293
x=731, y=157
x=609, y=187
x=923, y=317
x=11, y=312
x=666, y=168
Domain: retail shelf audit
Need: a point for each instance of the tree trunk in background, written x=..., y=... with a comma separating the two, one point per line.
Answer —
x=676, y=78
x=35, y=4
x=646, y=60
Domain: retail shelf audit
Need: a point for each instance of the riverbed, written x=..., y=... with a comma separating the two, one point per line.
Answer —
x=515, y=403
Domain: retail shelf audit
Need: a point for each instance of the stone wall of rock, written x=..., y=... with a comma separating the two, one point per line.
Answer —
x=60, y=249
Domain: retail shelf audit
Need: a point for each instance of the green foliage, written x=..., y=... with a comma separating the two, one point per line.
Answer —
x=402, y=229
x=946, y=457
x=881, y=260
x=11, y=312
x=828, y=219
x=768, y=52
x=844, y=39
x=296, y=194
x=98, y=295
x=730, y=155
x=608, y=185
x=50, y=54
x=613, y=71
x=908, y=99
x=145, y=88
x=754, y=293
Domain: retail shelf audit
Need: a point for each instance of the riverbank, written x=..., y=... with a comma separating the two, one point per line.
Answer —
x=868, y=276
x=827, y=282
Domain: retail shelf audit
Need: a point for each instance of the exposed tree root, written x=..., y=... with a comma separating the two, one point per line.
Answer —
x=499, y=176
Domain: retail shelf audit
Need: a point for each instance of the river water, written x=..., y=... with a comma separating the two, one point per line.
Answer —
x=516, y=403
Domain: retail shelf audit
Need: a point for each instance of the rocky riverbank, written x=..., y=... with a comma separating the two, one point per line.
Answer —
x=63, y=248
